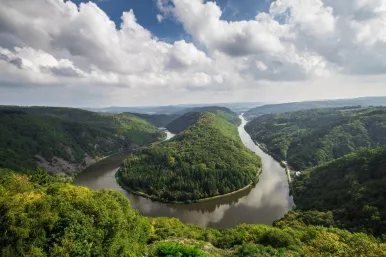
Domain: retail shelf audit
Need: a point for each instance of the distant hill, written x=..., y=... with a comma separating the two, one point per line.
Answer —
x=173, y=109
x=308, y=138
x=289, y=107
x=352, y=188
x=205, y=159
x=66, y=139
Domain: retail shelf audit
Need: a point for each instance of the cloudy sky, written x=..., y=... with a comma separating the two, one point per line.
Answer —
x=159, y=52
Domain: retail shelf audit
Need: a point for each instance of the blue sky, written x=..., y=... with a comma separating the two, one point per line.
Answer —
x=170, y=29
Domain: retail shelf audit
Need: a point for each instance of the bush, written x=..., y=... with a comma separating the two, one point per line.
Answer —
x=178, y=250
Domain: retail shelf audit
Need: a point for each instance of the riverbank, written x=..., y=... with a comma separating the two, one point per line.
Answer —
x=167, y=136
x=282, y=163
x=187, y=201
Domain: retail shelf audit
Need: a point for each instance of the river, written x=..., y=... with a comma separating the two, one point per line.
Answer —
x=268, y=201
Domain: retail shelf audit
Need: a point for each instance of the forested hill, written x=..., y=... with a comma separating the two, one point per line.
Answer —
x=353, y=188
x=206, y=159
x=66, y=139
x=190, y=118
x=290, y=107
x=41, y=216
x=159, y=120
x=311, y=137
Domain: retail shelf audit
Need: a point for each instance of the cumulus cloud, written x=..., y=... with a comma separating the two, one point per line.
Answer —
x=70, y=46
x=314, y=35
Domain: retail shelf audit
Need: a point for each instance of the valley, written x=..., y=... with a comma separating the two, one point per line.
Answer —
x=210, y=188
x=263, y=203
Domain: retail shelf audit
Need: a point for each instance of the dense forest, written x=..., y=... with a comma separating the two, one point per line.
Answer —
x=159, y=120
x=44, y=216
x=352, y=189
x=308, y=138
x=191, y=117
x=66, y=139
x=297, y=106
x=206, y=159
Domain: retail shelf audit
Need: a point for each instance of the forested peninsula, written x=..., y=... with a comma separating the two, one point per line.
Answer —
x=309, y=138
x=206, y=159
x=66, y=140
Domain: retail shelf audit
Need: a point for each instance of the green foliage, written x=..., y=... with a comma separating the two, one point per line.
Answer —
x=192, y=115
x=178, y=250
x=301, y=218
x=63, y=220
x=59, y=219
x=352, y=188
x=311, y=137
x=206, y=159
x=159, y=120
x=261, y=240
x=69, y=134
x=253, y=250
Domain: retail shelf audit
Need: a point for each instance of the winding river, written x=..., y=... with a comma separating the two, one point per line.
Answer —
x=268, y=201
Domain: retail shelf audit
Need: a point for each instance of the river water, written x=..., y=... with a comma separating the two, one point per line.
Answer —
x=268, y=201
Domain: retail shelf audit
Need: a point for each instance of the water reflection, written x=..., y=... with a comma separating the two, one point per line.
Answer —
x=267, y=201
x=169, y=135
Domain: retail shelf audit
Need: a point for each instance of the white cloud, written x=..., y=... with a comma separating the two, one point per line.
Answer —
x=160, y=18
x=69, y=46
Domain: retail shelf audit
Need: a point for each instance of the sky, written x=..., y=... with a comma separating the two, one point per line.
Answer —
x=163, y=52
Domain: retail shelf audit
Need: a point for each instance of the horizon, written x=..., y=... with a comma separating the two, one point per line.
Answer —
x=194, y=104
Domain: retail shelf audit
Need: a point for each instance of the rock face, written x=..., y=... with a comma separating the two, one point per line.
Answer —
x=60, y=166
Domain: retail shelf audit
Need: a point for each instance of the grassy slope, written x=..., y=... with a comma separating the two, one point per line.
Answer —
x=206, y=159
x=66, y=133
x=44, y=217
x=312, y=137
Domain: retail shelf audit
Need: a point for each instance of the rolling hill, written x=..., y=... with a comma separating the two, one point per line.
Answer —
x=66, y=139
x=311, y=137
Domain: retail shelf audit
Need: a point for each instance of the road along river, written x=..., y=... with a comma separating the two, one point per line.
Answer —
x=268, y=201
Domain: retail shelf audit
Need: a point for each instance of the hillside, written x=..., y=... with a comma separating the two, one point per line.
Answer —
x=206, y=159
x=65, y=139
x=297, y=106
x=311, y=137
x=352, y=188
x=42, y=216
x=158, y=120
x=190, y=116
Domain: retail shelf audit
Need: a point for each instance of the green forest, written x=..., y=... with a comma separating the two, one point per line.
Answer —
x=44, y=216
x=309, y=138
x=339, y=194
x=159, y=120
x=351, y=189
x=66, y=139
x=206, y=159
